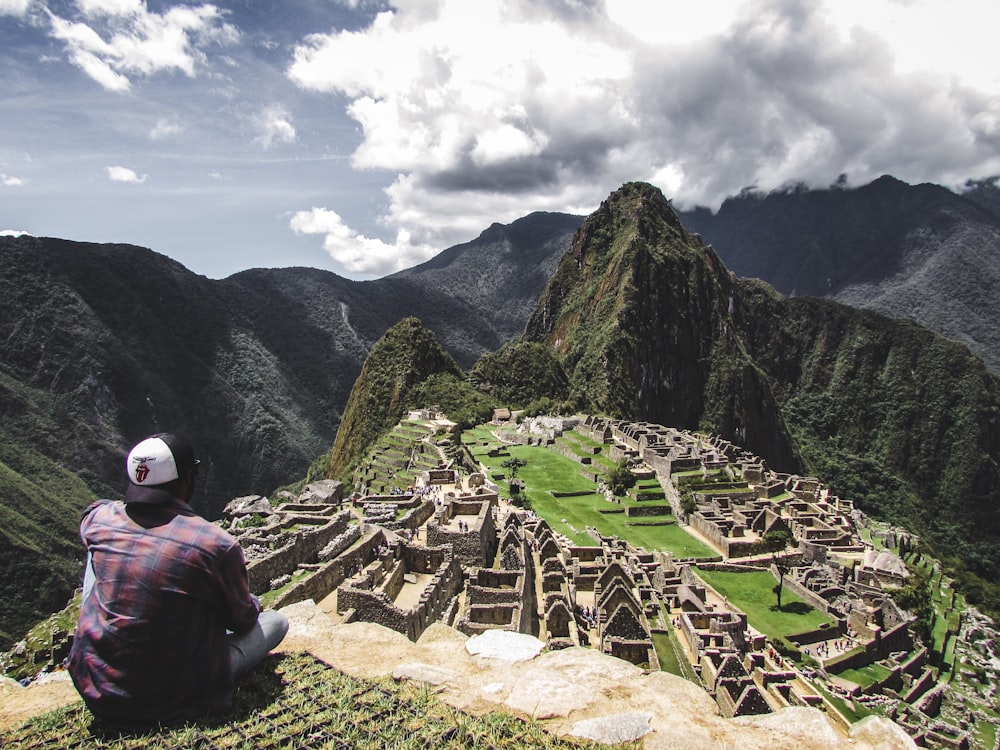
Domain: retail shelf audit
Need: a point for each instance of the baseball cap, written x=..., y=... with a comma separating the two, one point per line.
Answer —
x=154, y=462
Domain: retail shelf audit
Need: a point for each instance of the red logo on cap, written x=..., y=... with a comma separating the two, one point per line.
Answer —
x=142, y=471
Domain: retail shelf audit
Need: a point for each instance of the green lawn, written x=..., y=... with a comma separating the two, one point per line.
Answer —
x=849, y=709
x=666, y=654
x=754, y=594
x=547, y=471
x=866, y=676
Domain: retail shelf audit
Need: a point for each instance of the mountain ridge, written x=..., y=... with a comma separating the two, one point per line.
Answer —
x=902, y=420
x=103, y=344
x=919, y=252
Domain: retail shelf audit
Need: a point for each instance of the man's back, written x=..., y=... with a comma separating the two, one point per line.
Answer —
x=151, y=643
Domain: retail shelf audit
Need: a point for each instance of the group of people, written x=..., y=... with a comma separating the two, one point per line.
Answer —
x=167, y=621
x=822, y=649
x=589, y=615
x=463, y=526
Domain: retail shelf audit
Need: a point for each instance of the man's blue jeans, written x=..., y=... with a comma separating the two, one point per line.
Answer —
x=246, y=650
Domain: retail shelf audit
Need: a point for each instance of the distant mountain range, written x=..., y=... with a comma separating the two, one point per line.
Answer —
x=103, y=344
x=920, y=252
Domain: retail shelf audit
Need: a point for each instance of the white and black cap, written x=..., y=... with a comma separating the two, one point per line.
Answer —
x=154, y=462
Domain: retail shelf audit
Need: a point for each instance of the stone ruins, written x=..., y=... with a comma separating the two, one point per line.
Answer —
x=448, y=548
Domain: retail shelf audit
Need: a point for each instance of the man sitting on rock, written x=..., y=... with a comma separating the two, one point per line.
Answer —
x=167, y=620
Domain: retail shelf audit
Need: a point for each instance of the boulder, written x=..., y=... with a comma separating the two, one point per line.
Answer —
x=248, y=505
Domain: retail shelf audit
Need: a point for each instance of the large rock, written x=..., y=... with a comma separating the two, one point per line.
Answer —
x=323, y=492
x=575, y=691
x=248, y=505
x=504, y=646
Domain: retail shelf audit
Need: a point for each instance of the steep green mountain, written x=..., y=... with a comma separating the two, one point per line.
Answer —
x=889, y=413
x=919, y=252
x=639, y=313
x=405, y=356
x=101, y=345
x=520, y=372
x=651, y=326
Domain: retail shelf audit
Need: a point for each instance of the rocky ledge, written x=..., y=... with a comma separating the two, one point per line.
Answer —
x=575, y=691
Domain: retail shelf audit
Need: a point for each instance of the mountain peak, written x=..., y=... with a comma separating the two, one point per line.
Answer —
x=406, y=355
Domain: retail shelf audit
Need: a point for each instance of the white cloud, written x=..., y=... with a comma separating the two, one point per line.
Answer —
x=94, y=8
x=124, y=174
x=165, y=128
x=274, y=125
x=14, y=233
x=14, y=7
x=355, y=252
x=10, y=181
x=492, y=109
x=120, y=39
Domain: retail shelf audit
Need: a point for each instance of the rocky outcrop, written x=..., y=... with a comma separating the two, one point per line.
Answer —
x=575, y=691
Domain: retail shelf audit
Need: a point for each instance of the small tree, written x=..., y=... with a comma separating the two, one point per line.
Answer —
x=774, y=542
x=621, y=478
x=513, y=465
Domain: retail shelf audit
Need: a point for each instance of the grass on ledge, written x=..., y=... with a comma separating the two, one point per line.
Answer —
x=297, y=701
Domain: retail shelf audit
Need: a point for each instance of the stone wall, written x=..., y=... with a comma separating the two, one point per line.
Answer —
x=330, y=575
x=376, y=604
x=636, y=511
x=809, y=596
x=475, y=547
x=304, y=548
x=716, y=535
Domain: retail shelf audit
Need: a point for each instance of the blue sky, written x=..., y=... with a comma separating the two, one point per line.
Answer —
x=363, y=137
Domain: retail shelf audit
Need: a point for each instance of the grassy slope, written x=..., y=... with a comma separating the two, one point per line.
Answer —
x=295, y=700
x=40, y=504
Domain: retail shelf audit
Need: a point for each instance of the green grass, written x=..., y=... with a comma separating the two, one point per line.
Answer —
x=296, y=701
x=754, y=594
x=547, y=470
x=846, y=708
x=866, y=676
x=666, y=654
x=985, y=733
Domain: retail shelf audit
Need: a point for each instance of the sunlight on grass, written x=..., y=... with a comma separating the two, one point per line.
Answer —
x=546, y=472
x=754, y=594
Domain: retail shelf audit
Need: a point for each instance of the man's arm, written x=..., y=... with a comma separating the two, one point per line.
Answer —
x=240, y=607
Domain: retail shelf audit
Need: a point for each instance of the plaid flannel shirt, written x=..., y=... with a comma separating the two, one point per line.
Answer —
x=151, y=644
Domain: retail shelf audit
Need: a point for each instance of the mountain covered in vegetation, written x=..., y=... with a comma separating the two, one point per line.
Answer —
x=101, y=345
x=920, y=252
x=405, y=356
x=650, y=325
